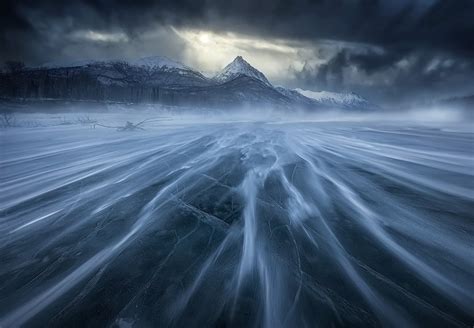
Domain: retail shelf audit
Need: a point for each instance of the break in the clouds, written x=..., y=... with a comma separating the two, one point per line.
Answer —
x=386, y=50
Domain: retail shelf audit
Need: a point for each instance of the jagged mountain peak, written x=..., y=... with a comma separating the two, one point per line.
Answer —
x=238, y=82
x=239, y=63
x=239, y=66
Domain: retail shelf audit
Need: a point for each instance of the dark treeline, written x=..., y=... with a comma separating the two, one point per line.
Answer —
x=74, y=84
x=44, y=84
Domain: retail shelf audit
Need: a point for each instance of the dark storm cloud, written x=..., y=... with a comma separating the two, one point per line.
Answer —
x=395, y=76
x=427, y=23
x=414, y=31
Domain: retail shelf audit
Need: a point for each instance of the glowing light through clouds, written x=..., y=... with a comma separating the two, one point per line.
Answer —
x=211, y=51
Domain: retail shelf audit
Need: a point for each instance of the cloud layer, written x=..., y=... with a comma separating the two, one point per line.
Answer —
x=387, y=50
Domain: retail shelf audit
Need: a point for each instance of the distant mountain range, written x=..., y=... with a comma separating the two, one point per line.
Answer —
x=165, y=81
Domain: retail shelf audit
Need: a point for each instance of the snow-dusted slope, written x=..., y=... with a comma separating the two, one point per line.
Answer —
x=346, y=100
x=161, y=79
x=158, y=62
x=146, y=71
x=151, y=62
x=331, y=96
x=240, y=67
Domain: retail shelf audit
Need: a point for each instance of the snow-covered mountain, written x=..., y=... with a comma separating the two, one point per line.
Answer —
x=335, y=99
x=150, y=71
x=151, y=62
x=159, y=79
x=328, y=100
x=239, y=67
x=327, y=96
x=158, y=62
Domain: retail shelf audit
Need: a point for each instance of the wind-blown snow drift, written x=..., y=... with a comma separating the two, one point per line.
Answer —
x=246, y=224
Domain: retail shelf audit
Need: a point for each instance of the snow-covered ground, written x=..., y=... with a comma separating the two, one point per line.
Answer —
x=200, y=222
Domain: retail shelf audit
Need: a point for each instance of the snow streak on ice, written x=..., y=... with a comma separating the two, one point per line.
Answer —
x=238, y=224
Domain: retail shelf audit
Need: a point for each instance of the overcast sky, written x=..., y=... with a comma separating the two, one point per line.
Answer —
x=387, y=50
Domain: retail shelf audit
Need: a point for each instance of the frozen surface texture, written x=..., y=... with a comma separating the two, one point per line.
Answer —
x=237, y=224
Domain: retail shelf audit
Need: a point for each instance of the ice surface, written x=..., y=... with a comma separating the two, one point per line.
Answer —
x=236, y=223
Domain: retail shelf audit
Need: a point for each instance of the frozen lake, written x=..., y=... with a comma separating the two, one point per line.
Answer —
x=237, y=224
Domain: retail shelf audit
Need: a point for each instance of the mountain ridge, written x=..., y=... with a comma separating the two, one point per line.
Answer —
x=158, y=79
x=240, y=66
